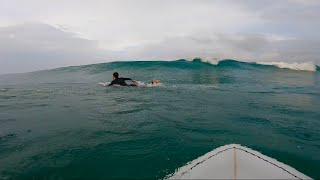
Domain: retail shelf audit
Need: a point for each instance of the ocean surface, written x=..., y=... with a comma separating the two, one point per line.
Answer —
x=60, y=124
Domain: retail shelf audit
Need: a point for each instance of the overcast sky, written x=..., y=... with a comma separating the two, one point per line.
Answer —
x=42, y=34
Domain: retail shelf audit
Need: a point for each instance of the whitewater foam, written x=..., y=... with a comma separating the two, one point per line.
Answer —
x=209, y=60
x=293, y=66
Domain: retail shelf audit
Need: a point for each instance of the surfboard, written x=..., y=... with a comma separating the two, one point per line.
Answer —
x=138, y=83
x=104, y=83
x=236, y=162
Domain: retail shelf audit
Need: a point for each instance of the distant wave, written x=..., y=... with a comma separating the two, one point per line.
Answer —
x=283, y=65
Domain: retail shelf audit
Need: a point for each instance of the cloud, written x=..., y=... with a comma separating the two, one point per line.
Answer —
x=306, y=3
x=30, y=47
x=297, y=18
x=123, y=23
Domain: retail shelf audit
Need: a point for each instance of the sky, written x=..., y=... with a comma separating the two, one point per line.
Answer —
x=44, y=34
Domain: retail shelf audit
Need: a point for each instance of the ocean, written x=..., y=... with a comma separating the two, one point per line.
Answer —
x=60, y=124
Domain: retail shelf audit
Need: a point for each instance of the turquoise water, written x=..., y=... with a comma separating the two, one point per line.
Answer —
x=59, y=124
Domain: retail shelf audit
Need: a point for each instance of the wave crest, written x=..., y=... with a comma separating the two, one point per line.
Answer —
x=293, y=66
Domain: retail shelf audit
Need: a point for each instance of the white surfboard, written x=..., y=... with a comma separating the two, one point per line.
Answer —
x=236, y=162
x=104, y=83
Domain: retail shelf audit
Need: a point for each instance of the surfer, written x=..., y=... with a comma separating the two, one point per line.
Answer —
x=120, y=81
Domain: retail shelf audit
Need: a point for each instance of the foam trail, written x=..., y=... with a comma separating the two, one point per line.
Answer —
x=293, y=66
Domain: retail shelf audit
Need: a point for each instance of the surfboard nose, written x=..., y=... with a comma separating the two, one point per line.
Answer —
x=236, y=162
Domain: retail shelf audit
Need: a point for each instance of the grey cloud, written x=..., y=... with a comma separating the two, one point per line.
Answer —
x=297, y=18
x=30, y=47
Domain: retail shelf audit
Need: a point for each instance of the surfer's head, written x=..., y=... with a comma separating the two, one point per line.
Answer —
x=115, y=75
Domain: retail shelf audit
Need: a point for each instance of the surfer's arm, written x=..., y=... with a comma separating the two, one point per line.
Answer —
x=111, y=84
x=125, y=79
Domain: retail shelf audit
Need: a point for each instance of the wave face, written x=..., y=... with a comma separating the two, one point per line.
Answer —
x=199, y=62
x=61, y=124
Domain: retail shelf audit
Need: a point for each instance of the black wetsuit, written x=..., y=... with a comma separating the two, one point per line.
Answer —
x=120, y=81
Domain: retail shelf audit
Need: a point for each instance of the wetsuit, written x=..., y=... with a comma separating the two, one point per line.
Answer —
x=120, y=81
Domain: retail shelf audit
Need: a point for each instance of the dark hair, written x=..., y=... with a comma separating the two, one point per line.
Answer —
x=116, y=75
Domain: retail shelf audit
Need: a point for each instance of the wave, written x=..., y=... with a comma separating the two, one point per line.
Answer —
x=196, y=63
x=305, y=66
